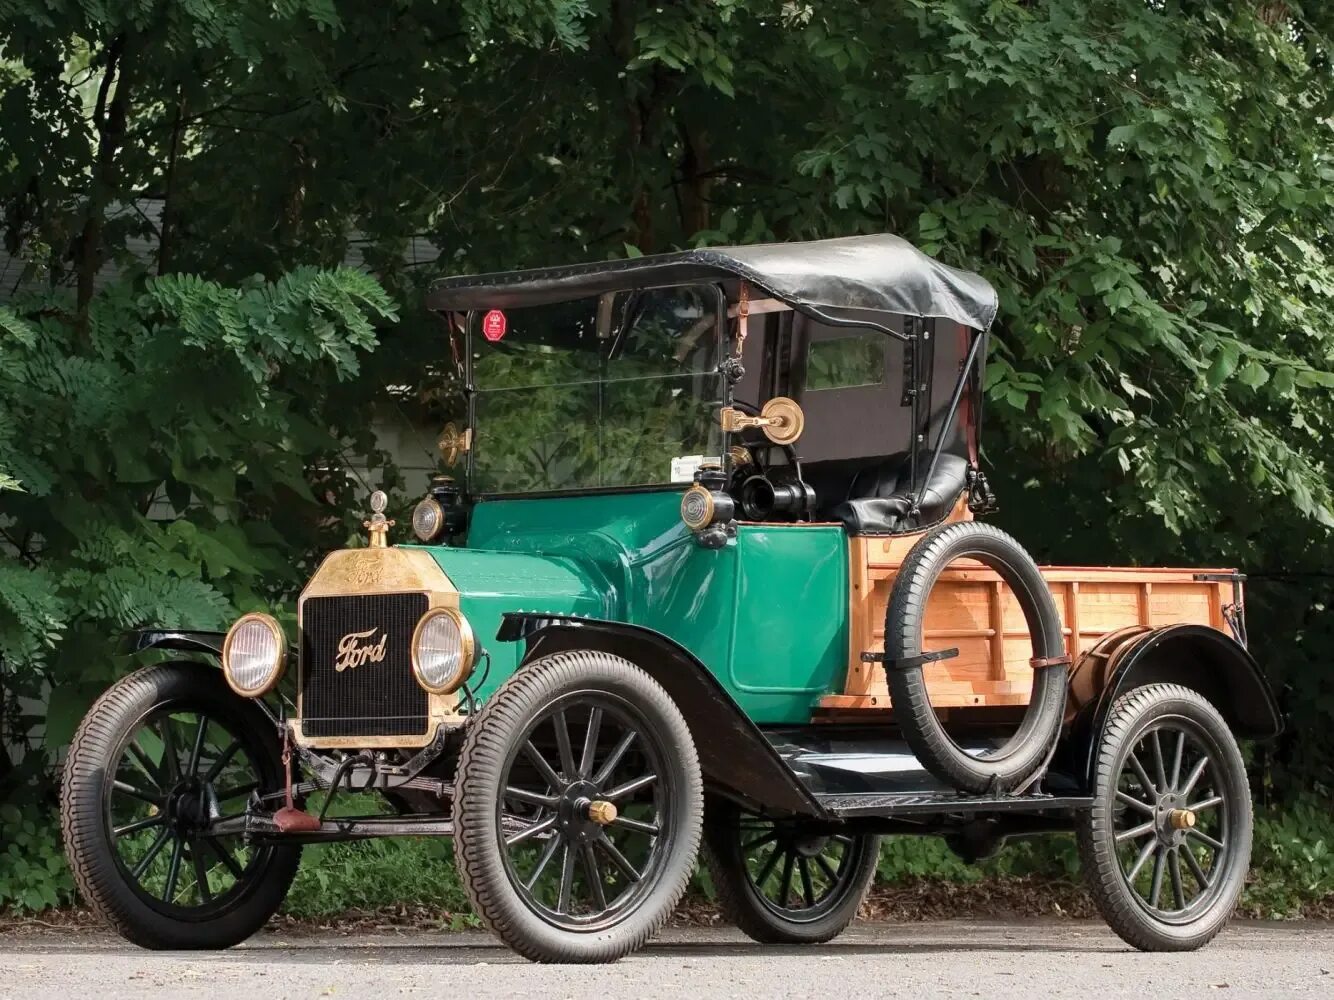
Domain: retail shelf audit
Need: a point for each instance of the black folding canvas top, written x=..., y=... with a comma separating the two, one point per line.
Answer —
x=881, y=273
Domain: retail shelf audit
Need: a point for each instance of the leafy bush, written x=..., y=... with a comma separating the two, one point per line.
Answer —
x=165, y=468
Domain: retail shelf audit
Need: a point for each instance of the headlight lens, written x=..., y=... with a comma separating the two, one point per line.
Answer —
x=428, y=517
x=254, y=654
x=443, y=651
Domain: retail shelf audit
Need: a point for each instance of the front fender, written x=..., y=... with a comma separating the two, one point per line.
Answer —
x=176, y=639
x=1194, y=656
x=733, y=753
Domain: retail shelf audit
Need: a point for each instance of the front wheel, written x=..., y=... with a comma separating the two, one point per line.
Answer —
x=1166, y=845
x=785, y=882
x=578, y=809
x=162, y=754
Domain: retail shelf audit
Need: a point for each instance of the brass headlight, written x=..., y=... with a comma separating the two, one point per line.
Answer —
x=254, y=654
x=428, y=520
x=443, y=650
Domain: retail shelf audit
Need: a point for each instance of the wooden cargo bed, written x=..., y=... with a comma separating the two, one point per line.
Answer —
x=971, y=608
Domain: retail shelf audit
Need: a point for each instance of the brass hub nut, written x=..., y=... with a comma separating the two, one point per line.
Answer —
x=602, y=812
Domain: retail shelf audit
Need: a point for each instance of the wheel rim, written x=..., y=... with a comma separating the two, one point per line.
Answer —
x=177, y=770
x=796, y=874
x=574, y=863
x=1173, y=821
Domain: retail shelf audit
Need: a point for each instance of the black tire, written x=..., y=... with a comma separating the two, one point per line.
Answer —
x=1201, y=860
x=233, y=897
x=520, y=797
x=825, y=876
x=1027, y=750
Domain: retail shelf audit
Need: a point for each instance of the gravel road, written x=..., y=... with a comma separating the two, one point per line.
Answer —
x=991, y=959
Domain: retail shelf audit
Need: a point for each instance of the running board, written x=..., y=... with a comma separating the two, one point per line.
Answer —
x=940, y=804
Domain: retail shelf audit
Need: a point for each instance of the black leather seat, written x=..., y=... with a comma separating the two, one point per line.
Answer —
x=879, y=496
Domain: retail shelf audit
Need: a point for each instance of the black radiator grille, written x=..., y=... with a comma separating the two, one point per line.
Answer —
x=375, y=694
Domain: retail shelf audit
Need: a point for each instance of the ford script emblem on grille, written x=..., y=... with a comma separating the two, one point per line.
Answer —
x=357, y=648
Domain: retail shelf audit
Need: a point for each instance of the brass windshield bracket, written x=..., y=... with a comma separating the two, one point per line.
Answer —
x=781, y=420
x=454, y=443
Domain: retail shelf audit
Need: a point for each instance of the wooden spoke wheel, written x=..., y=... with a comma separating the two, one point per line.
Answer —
x=785, y=882
x=1168, y=842
x=164, y=754
x=579, y=800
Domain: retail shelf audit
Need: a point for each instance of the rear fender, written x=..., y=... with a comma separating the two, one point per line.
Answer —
x=733, y=753
x=1194, y=656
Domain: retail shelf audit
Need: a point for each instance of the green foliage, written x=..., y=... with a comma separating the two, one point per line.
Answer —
x=168, y=465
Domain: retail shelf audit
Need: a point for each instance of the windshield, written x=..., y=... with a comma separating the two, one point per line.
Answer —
x=612, y=391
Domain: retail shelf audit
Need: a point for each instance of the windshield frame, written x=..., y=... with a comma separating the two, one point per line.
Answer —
x=471, y=393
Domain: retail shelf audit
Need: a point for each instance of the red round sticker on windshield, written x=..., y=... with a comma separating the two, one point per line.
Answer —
x=493, y=325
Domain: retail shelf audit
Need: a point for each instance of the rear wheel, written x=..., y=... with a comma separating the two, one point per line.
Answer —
x=160, y=754
x=578, y=809
x=1167, y=843
x=786, y=882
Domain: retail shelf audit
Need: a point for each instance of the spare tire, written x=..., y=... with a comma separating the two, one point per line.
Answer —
x=1027, y=750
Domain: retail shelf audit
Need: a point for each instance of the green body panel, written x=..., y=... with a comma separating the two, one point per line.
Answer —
x=767, y=614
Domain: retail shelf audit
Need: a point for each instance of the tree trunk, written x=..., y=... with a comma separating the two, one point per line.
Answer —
x=110, y=114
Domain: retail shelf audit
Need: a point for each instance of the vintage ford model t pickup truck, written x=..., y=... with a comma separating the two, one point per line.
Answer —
x=708, y=576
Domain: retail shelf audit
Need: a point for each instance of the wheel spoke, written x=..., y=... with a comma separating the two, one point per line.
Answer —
x=548, y=852
x=630, y=787
x=552, y=779
x=171, y=761
x=532, y=798
x=1208, y=803
x=1135, y=832
x=532, y=831
x=1195, y=831
x=137, y=793
x=1156, y=887
x=619, y=751
x=1144, y=856
x=1159, y=766
x=827, y=868
x=197, y=750
x=1178, y=889
x=760, y=841
x=153, y=852
x=639, y=826
x=590, y=743
x=1143, y=775
x=201, y=874
x=142, y=824
x=1196, y=772
x=220, y=763
x=807, y=888
x=566, y=881
x=594, y=874
x=1133, y=802
x=617, y=858
x=785, y=883
x=174, y=872
x=567, y=766
x=225, y=856
x=1176, y=758
x=769, y=866
x=1194, y=865
x=146, y=765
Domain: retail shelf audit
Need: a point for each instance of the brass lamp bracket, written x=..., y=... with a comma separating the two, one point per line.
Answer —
x=781, y=420
x=454, y=443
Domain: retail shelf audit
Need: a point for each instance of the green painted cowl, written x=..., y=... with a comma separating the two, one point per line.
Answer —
x=767, y=614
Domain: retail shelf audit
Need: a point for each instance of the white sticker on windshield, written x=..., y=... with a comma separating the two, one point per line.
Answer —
x=684, y=467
